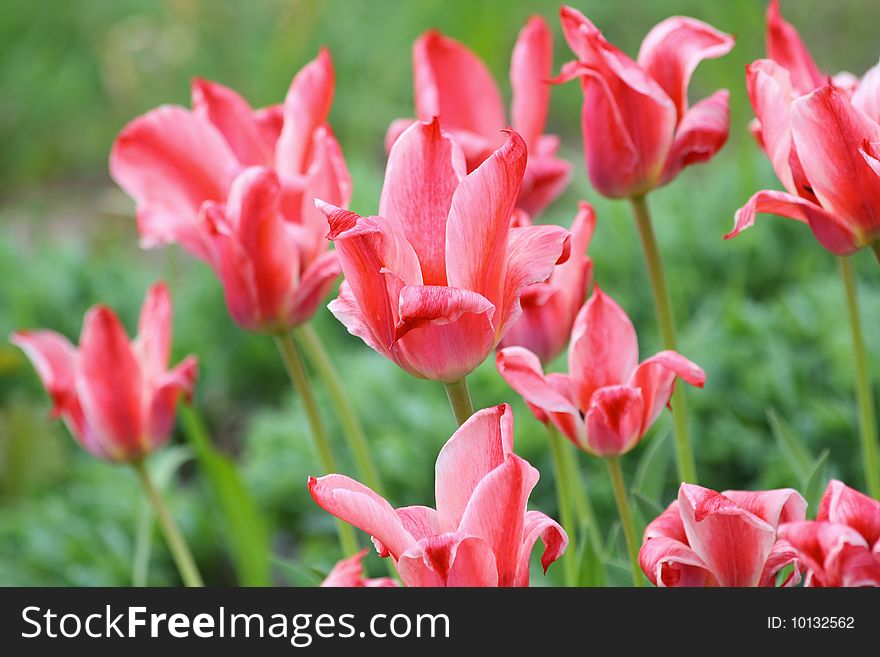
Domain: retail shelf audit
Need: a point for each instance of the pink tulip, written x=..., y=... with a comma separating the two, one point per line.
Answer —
x=549, y=308
x=452, y=83
x=722, y=539
x=608, y=400
x=236, y=187
x=842, y=546
x=349, y=573
x=433, y=283
x=118, y=398
x=819, y=134
x=480, y=533
x=639, y=131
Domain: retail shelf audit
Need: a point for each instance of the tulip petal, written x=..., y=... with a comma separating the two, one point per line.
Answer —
x=546, y=177
x=476, y=448
x=656, y=376
x=479, y=222
x=867, y=95
x=270, y=121
x=496, y=513
x=604, y=349
x=424, y=169
x=55, y=359
x=533, y=252
x=170, y=161
x=530, y=68
x=847, y=506
x=827, y=228
x=732, y=542
x=667, y=525
x=671, y=563
x=316, y=282
x=109, y=384
x=452, y=559
x=345, y=308
x=672, y=50
x=153, y=342
x=445, y=332
x=614, y=420
x=538, y=525
x=420, y=521
x=785, y=47
x=774, y=507
x=233, y=117
x=395, y=129
x=306, y=107
x=820, y=545
x=354, y=503
x=781, y=555
x=701, y=133
x=349, y=573
x=452, y=83
x=522, y=371
x=163, y=405
x=828, y=133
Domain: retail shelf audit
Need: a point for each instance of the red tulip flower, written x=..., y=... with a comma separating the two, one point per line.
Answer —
x=722, y=539
x=349, y=573
x=433, y=283
x=820, y=134
x=118, y=398
x=842, y=546
x=236, y=187
x=549, y=308
x=639, y=131
x=451, y=82
x=480, y=533
x=608, y=400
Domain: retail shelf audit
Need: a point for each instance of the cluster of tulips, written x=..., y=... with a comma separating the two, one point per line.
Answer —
x=453, y=268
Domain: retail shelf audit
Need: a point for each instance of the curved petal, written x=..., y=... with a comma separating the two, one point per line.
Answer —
x=444, y=332
x=784, y=46
x=170, y=161
x=345, y=308
x=479, y=222
x=522, y=371
x=233, y=117
x=531, y=65
x=672, y=50
x=656, y=376
x=732, y=542
x=420, y=521
x=701, y=133
x=453, y=83
x=828, y=134
x=110, y=386
x=496, y=513
x=546, y=177
x=552, y=535
x=166, y=390
x=350, y=573
x=424, y=169
x=667, y=525
x=820, y=545
x=55, y=360
x=533, y=252
x=830, y=231
x=671, y=563
x=847, y=506
x=316, y=282
x=395, y=129
x=867, y=94
x=782, y=555
x=775, y=507
x=354, y=503
x=306, y=107
x=614, y=420
x=452, y=559
x=604, y=349
x=476, y=448
x=153, y=342
x=270, y=121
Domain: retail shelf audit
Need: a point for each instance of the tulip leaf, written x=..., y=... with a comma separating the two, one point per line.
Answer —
x=590, y=562
x=163, y=465
x=816, y=480
x=244, y=527
x=796, y=455
x=653, y=466
x=297, y=574
x=646, y=509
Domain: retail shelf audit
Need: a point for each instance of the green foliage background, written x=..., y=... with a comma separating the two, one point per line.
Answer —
x=763, y=314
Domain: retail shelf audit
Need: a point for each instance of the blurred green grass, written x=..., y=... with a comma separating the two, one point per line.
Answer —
x=763, y=314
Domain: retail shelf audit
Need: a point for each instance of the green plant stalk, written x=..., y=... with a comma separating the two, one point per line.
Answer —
x=348, y=418
x=875, y=247
x=564, y=488
x=582, y=506
x=867, y=417
x=684, y=453
x=460, y=400
x=292, y=361
x=183, y=558
x=626, y=518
